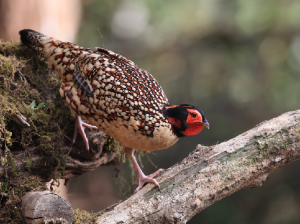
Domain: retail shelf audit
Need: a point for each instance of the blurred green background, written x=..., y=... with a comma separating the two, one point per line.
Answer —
x=238, y=60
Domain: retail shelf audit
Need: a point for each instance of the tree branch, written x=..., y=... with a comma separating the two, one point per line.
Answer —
x=212, y=173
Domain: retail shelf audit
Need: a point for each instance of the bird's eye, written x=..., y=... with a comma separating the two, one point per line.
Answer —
x=193, y=114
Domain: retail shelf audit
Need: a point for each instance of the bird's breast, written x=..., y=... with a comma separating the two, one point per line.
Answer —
x=130, y=135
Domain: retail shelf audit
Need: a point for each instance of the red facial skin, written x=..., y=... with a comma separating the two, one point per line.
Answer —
x=194, y=121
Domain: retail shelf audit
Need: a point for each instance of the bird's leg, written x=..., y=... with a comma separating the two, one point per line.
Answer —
x=79, y=128
x=141, y=177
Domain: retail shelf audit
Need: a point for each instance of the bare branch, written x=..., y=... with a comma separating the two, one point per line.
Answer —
x=212, y=173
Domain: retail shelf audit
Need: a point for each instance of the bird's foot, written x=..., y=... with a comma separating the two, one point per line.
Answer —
x=142, y=179
x=79, y=128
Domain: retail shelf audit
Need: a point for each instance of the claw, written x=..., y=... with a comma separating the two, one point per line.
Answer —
x=141, y=177
x=79, y=128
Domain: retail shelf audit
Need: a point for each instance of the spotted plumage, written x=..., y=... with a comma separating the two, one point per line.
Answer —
x=114, y=94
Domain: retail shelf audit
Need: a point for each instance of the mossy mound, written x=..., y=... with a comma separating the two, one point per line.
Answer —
x=82, y=216
x=33, y=119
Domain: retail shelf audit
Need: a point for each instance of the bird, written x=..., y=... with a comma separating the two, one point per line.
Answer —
x=115, y=95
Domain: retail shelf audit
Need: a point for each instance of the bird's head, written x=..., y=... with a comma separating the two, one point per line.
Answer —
x=186, y=120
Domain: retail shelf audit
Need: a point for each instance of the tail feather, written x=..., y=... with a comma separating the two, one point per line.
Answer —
x=58, y=54
x=25, y=36
x=31, y=38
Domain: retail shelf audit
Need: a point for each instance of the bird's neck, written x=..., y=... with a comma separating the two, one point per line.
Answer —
x=176, y=123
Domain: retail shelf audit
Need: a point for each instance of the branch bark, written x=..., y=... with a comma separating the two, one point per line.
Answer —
x=212, y=173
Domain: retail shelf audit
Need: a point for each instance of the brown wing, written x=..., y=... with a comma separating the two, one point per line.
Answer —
x=102, y=82
x=115, y=87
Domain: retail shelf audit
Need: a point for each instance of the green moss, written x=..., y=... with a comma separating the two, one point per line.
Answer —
x=17, y=187
x=114, y=145
x=82, y=216
x=28, y=163
x=10, y=160
x=25, y=79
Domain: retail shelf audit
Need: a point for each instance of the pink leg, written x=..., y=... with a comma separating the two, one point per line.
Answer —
x=141, y=177
x=79, y=128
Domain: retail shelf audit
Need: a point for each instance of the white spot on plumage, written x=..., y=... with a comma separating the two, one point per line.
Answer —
x=90, y=67
x=94, y=56
x=58, y=50
x=97, y=64
x=66, y=59
x=97, y=84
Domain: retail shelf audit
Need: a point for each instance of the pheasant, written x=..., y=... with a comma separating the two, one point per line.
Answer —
x=116, y=96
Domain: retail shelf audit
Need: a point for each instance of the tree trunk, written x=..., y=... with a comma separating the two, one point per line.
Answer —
x=41, y=15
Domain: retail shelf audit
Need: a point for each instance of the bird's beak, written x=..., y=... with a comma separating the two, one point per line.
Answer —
x=205, y=124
